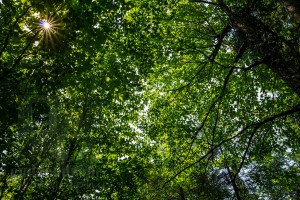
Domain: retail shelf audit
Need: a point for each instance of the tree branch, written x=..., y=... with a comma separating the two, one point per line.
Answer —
x=256, y=125
x=11, y=30
x=224, y=32
x=232, y=180
x=72, y=148
x=213, y=134
x=189, y=83
x=206, y=2
x=210, y=109
x=7, y=72
x=245, y=69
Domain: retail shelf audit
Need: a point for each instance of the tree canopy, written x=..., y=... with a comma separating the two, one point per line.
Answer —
x=136, y=99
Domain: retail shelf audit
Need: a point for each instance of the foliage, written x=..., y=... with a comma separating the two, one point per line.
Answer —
x=137, y=99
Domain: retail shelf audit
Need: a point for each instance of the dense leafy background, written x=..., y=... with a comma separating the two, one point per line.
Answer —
x=137, y=99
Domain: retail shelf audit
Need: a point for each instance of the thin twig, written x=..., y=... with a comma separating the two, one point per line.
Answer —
x=218, y=99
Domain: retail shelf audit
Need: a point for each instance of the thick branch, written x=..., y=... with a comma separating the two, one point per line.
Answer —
x=11, y=30
x=7, y=72
x=72, y=148
x=213, y=134
x=292, y=6
x=181, y=193
x=224, y=32
x=63, y=167
x=256, y=125
x=279, y=54
x=233, y=183
x=245, y=69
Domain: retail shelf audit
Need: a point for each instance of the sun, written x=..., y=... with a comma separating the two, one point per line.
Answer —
x=49, y=28
x=46, y=25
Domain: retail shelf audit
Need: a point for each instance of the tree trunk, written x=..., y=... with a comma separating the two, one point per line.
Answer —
x=63, y=168
x=292, y=6
x=181, y=193
x=280, y=55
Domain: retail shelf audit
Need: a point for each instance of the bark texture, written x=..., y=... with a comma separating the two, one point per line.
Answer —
x=279, y=54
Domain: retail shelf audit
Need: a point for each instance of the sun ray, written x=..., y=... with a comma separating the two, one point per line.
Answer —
x=49, y=27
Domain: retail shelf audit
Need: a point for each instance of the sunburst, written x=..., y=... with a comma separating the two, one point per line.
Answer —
x=49, y=27
x=46, y=25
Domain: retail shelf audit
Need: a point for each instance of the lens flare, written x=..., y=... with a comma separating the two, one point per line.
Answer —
x=45, y=24
x=49, y=28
